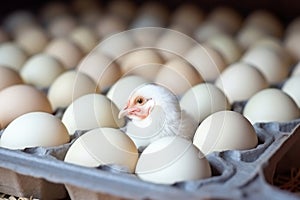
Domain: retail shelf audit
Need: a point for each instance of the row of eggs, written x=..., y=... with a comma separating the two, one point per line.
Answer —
x=263, y=64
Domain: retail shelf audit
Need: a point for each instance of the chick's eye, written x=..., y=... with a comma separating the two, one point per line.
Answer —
x=139, y=100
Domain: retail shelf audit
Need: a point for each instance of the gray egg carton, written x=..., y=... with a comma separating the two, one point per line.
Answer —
x=248, y=174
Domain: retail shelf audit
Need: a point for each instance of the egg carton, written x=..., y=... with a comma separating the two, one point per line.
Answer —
x=247, y=174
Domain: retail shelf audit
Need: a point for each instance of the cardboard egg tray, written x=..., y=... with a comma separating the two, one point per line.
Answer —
x=248, y=174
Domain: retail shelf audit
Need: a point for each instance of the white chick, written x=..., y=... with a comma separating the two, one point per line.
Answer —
x=145, y=98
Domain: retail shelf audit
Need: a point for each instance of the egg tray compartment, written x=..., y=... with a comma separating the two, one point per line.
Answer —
x=41, y=173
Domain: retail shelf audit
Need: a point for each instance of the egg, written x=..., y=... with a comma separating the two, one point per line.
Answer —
x=170, y=49
x=269, y=62
x=11, y=55
x=109, y=25
x=240, y=81
x=170, y=160
x=187, y=15
x=178, y=76
x=68, y=86
x=65, y=51
x=101, y=68
x=121, y=90
x=202, y=100
x=20, y=99
x=208, y=62
x=9, y=77
x=34, y=129
x=103, y=146
x=50, y=10
x=145, y=63
x=41, y=70
x=124, y=9
x=291, y=87
x=296, y=70
x=117, y=45
x=91, y=111
x=293, y=26
x=147, y=37
x=61, y=26
x=32, y=40
x=271, y=105
x=227, y=46
x=291, y=44
x=85, y=38
x=206, y=30
x=247, y=36
x=265, y=21
x=225, y=130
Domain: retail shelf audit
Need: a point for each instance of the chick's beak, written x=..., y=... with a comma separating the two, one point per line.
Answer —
x=127, y=110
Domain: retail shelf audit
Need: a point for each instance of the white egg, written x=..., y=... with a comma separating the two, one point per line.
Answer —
x=91, y=111
x=34, y=129
x=11, y=55
x=103, y=146
x=170, y=160
x=225, y=130
x=271, y=105
x=202, y=100
x=291, y=87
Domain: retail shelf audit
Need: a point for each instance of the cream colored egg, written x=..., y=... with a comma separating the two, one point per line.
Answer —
x=240, y=81
x=247, y=36
x=101, y=69
x=227, y=46
x=32, y=40
x=170, y=49
x=121, y=90
x=225, y=130
x=124, y=9
x=11, y=55
x=271, y=105
x=17, y=100
x=145, y=63
x=9, y=77
x=61, y=26
x=292, y=27
x=85, y=38
x=170, y=160
x=148, y=36
x=41, y=70
x=117, y=45
x=291, y=43
x=65, y=51
x=178, y=76
x=291, y=87
x=265, y=21
x=202, y=100
x=68, y=86
x=34, y=129
x=269, y=62
x=207, y=30
x=208, y=62
x=103, y=146
x=109, y=25
x=91, y=111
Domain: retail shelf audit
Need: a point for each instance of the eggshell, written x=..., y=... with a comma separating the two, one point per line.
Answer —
x=145, y=63
x=227, y=46
x=61, y=26
x=9, y=77
x=170, y=160
x=178, y=76
x=103, y=146
x=207, y=30
x=202, y=100
x=109, y=25
x=208, y=62
x=148, y=36
x=17, y=100
x=265, y=21
x=291, y=87
x=291, y=43
x=65, y=51
x=41, y=70
x=121, y=90
x=91, y=111
x=292, y=27
x=68, y=86
x=85, y=38
x=247, y=36
x=296, y=70
x=101, y=69
x=170, y=49
x=34, y=129
x=240, y=81
x=225, y=130
x=11, y=55
x=269, y=62
x=32, y=40
x=124, y=9
x=270, y=105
